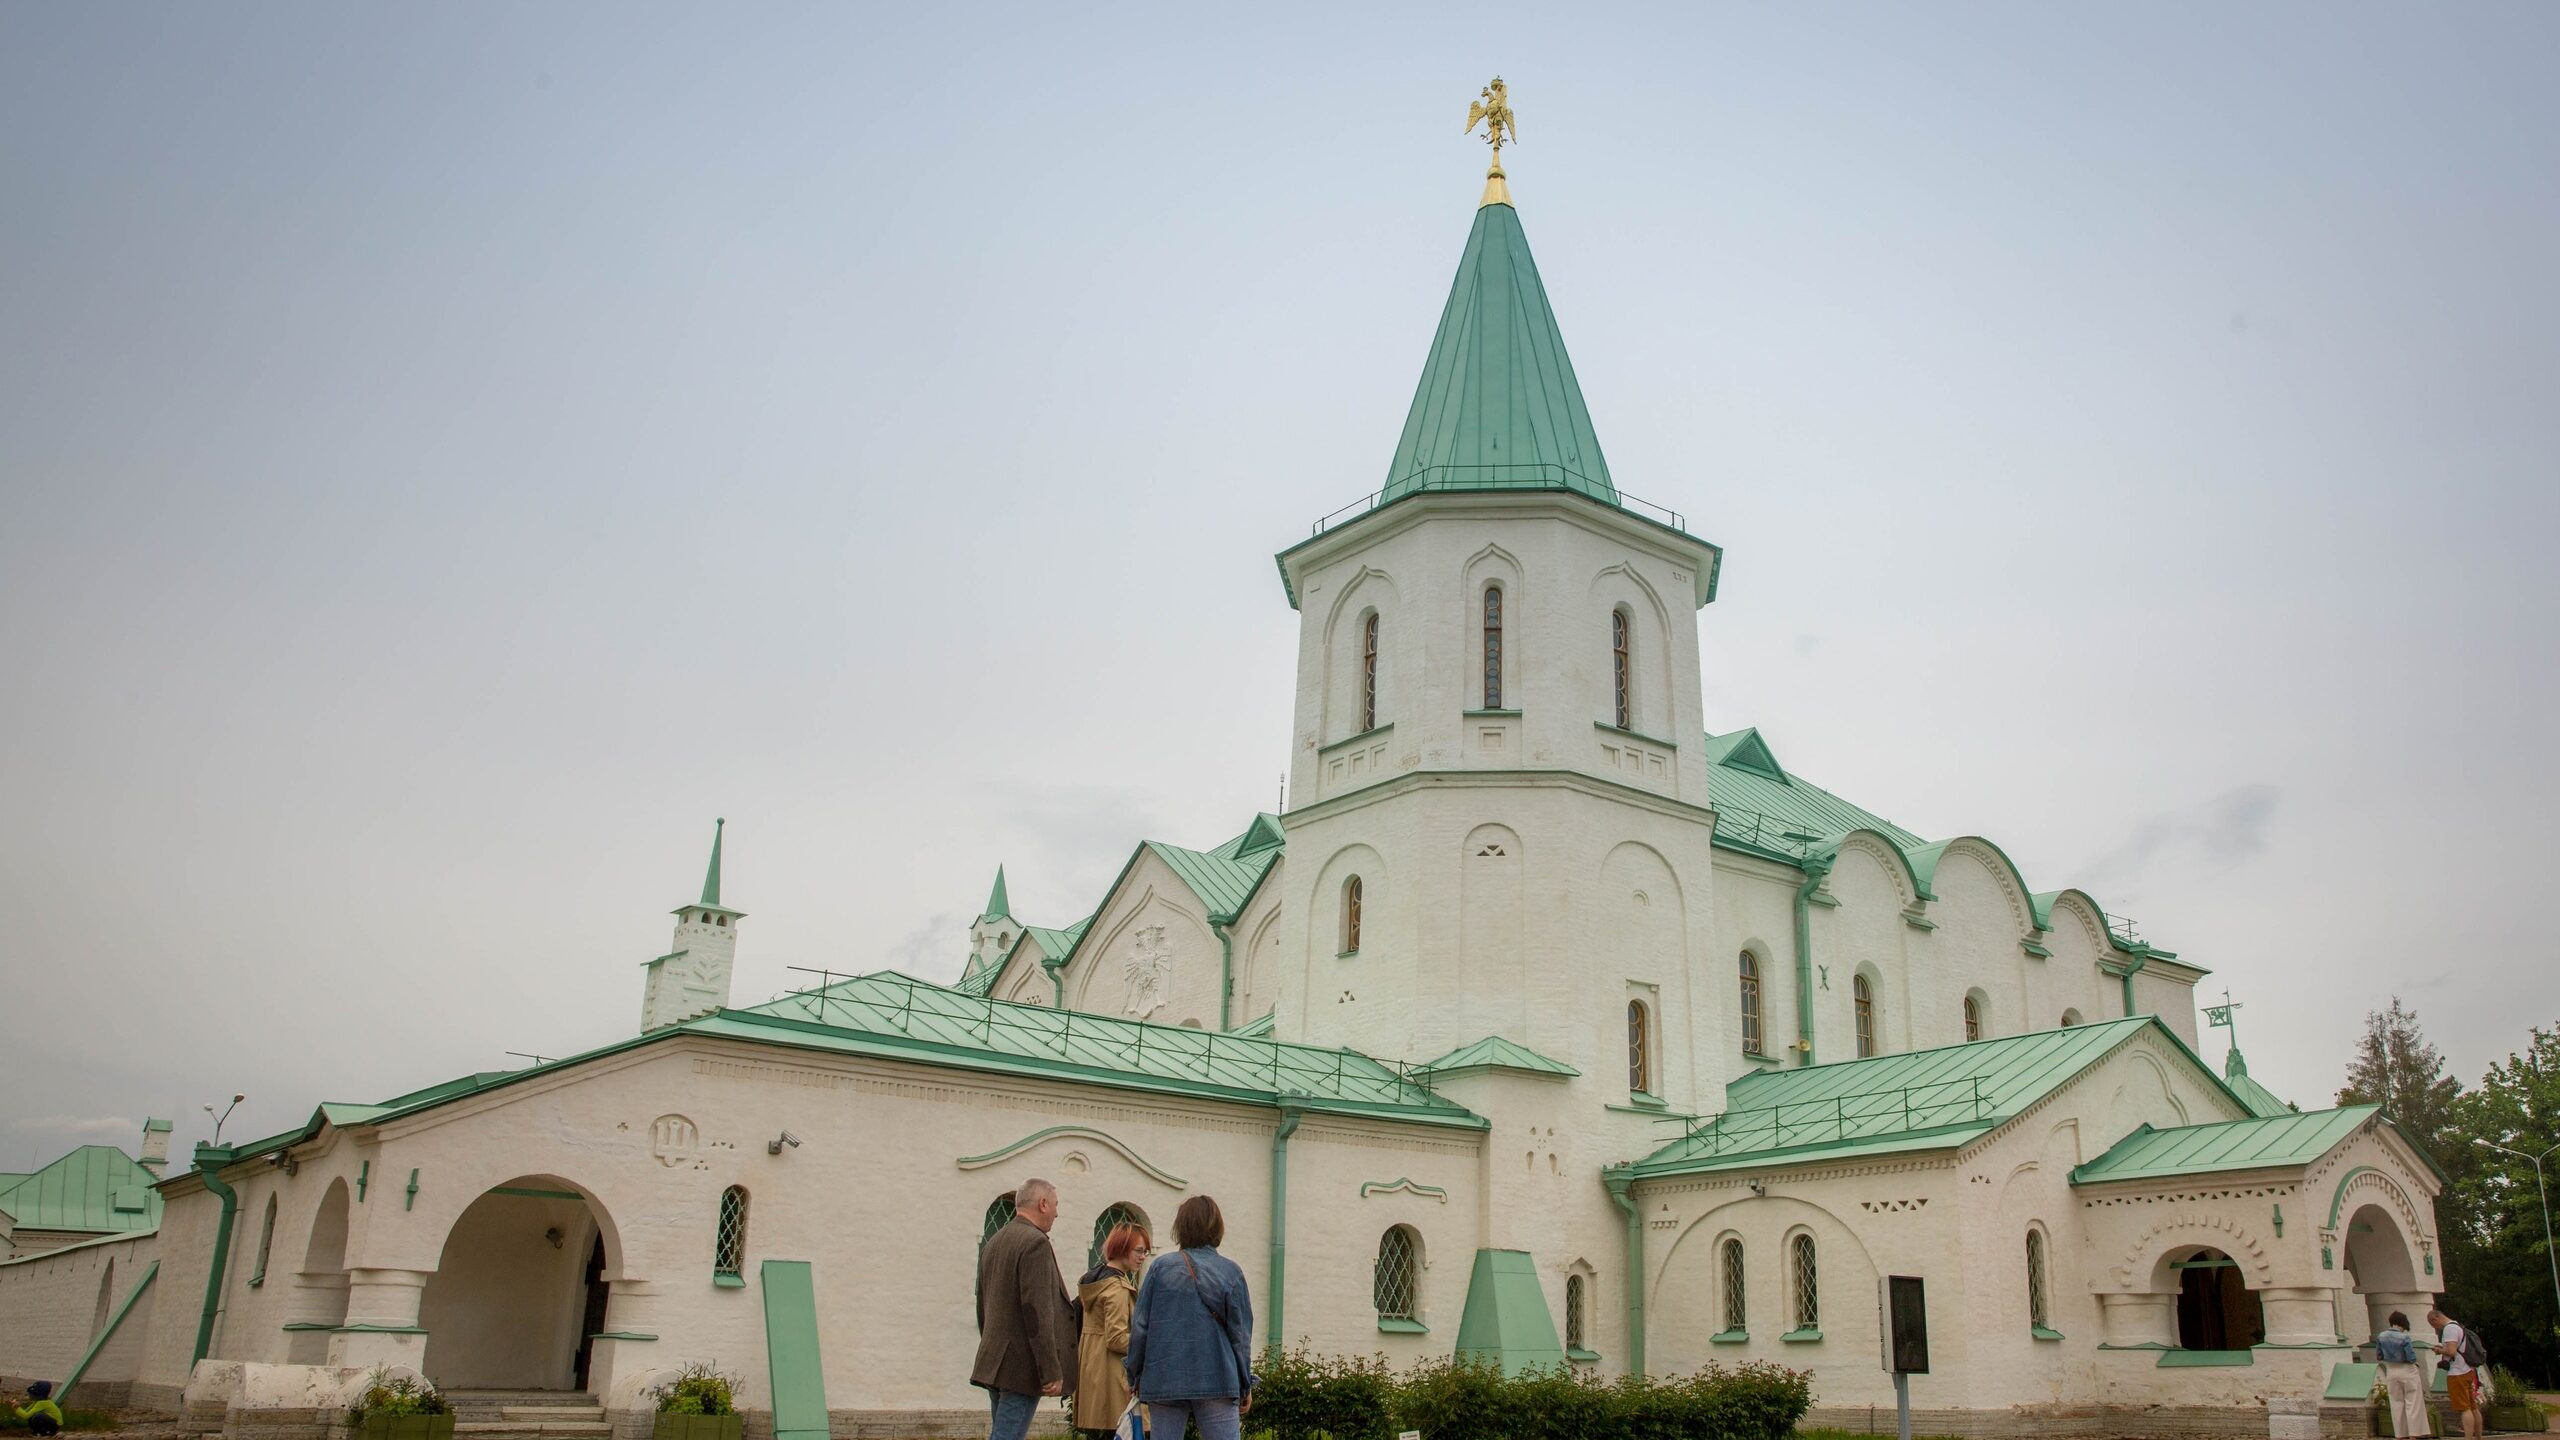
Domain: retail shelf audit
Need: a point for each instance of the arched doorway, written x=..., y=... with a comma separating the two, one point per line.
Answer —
x=512, y=1297
x=320, y=1286
x=2380, y=1274
x=2216, y=1308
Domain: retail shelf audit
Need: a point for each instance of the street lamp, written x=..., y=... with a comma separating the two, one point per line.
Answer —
x=2536, y=1162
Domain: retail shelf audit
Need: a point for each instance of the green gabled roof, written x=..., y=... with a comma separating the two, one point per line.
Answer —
x=1226, y=877
x=1762, y=808
x=896, y=1016
x=2259, y=1099
x=2258, y=1143
x=1917, y=1100
x=1259, y=1025
x=1498, y=407
x=1495, y=1053
x=1051, y=945
x=92, y=1188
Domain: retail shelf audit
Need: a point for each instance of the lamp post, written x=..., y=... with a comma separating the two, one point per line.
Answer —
x=2548, y=1252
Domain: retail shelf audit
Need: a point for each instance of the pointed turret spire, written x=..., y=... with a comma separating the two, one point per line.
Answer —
x=711, y=877
x=997, y=906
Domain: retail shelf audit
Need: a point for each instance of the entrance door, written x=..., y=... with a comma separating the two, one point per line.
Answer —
x=593, y=1320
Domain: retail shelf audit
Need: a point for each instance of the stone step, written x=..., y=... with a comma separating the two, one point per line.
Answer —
x=551, y=1413
x=528, y=1430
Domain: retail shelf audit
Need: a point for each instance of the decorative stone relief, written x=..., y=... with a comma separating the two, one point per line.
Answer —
x=1148, y=969
x=674, y=1139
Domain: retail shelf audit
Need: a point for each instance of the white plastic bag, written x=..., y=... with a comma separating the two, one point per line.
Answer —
x=1131, y=1426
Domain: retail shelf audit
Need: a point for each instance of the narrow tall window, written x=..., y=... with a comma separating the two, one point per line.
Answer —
x=2070, y=1018
x=1751, y=1040
x=1351, y=916
x=1972, y=1018
x=731, y=1258
x=999, y=1215
x=1863, y=996
x=1493, y=647
x=1735, y=1317
x=1369, y=673
x=1618, y=668
x=1808, y=1285
x=2039, y=1313
x=1639, y=1047
x=1394, y=1280
x=1576, y=1296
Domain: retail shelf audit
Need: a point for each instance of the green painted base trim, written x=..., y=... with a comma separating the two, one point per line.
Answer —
x=1643, y=1101
x=728, y=1280
x=2035, y=949
x=1506, y=1321
x=1584, y=1357
x=2043, y=1332
x=1402, y=1327
x=2338, y=1344
x=1767, y=1062
x=2137, y=1345
x=1657, y=1112
x=2351, y=1382
x=1346, y=954
x=1805, y=1336
x=377, y=1330
x=310, y=1325
x=531, y=1194
x=1632, y=734
x=1919, y=922
x=1730, y=1337
x=795, y=1368
x=1490, y=714
x=2205, y=1359
x=620, y=1335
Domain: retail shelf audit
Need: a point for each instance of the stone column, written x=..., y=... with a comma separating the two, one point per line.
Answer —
x=635, y=1309
x=381, y=1327
x=2300, y=1314
x=317, y=1309
x=2139, y=1319
x=2413, y=1303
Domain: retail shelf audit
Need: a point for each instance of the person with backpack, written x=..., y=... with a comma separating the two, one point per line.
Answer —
x=2403, y=1379
x=2466, y=1371
x=1191, y=1336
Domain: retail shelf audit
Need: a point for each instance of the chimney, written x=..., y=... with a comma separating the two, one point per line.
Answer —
x=155, y=1146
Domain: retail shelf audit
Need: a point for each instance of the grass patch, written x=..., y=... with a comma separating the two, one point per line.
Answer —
x=1851, y=1435
x=10, y=1424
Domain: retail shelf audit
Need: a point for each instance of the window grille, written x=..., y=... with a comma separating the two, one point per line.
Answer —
x=1351, y=916
x=1396, y=1283
x=1493, y=647
x=999, y=1215
x=2039, y=1310
x=1972, y=1018
x=1576, y=1295
x=1639, y=1048
x=732, y=1256
x=1734, y=1313
x=1109, y=1220
x=1618, y=666
x=1369, y=674
x=1751, y=1038
x=1808, y=1286
x=1863, y=996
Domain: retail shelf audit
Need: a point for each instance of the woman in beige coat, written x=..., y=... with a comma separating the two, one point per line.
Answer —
x=1107, y=1291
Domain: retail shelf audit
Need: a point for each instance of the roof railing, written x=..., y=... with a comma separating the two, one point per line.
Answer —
x=2121, y=926
x=1750, y=827
x=1499, y=477
x=1865, y=1115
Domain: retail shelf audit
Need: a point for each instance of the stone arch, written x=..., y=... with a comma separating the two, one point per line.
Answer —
x=1494, y=565
x=2146, y=1261
x=2381, y=1253
x=1324, y=901
x=2004, y=874
x=320, y=1285
x=2366, y=1179
x=1252, y=968
x=1649, y=645
x=518, y=1273
x=1372, y=591
x=1977, y=1004
x=1888, y=856
x=1684, y=1292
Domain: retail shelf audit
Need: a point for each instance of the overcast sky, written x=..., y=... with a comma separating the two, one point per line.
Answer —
x=452, y=453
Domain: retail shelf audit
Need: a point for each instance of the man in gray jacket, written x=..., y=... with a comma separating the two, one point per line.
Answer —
x=1026, y=1330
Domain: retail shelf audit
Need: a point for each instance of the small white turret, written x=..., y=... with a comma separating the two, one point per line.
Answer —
x=692, y=978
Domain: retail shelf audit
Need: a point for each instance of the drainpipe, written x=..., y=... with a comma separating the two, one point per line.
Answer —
x=1226, y=971
x=1815, y=868
x=1277, y=1287
x=209, y=1159
x=1057, y=982
x=1621, y=1182
x=2133, y=966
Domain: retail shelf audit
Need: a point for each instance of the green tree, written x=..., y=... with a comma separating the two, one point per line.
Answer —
x=2398, y=1070
x=2498, y=1263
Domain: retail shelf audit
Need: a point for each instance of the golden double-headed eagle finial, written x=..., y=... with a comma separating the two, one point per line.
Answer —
x=1492, y=109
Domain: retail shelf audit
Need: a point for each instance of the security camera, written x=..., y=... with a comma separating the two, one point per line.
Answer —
x=774, y=1146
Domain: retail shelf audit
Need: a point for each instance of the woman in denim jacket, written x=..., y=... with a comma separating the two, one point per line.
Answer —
x=1191, y=1334
x=2403, y=1378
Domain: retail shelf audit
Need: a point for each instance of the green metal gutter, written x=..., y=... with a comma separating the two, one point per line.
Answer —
x=1621, y=1181
x=63, y=1396
x=209, y=1159
x=2132, y=967
x=1277, y=1287
x=1226, y=972
x=1814, y=869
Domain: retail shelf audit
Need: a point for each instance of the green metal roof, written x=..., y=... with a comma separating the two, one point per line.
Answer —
x=711, y=877
x=1259, y=1025
x=1498, y=407
x=1495, y=1053
x=2258, y=1143
x=901, y=1017
x=998, y=908
x=2259, y=1099
x=1053, y=946
x=1917, y=1100
x=93, y=1188
x=1760, y=807
x=1225, y=877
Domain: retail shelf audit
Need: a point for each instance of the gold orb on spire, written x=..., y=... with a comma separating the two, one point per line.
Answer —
x=1492, y=109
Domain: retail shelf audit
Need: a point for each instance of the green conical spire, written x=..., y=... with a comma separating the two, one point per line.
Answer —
x=1498, y=407
x=711, y=877
x=997, y=906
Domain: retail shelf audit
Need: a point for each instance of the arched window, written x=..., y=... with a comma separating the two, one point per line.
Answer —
x=2216, y=1308
x=1351, y=916
x=1639, y=1047
x=1736, y=1317
x=2039, y=1312
x=1863, y=996
x=1369, y=672
x=1620, y=669
x=2070, y=1018
x=732, y=1256
x=1493, y=647
x=266, y=1243
x=1576, y=1296
x=1751, y=1037
x=1110, y=1218
x=1396, y=1281
x=1972, y=1018
x=999, y=1215
x=1807, y=1275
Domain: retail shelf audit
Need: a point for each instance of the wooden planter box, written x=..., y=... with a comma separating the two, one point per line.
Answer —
x=406, y=1427
x=2498, y=1417
x=700, y=1427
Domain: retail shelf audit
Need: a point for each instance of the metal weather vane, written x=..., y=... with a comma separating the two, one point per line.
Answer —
x=1492, y=109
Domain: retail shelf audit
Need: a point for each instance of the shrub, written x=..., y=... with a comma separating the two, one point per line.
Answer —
x=698, y=1389
x=1308, y=1397
x=2511, y=1389
x=1303, y=1396
x=396, y=1395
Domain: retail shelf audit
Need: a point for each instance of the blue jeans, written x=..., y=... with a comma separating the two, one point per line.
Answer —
x=1013, y=1414
x=1218, y=1419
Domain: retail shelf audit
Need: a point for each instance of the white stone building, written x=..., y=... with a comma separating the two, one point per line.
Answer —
x=1544, y=1026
